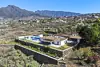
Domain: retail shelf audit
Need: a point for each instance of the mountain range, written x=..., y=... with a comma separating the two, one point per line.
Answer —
x=56, y=13
x=12, y=11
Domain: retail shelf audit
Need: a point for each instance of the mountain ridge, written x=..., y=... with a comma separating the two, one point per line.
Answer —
x=56, y=13
x=12, y=11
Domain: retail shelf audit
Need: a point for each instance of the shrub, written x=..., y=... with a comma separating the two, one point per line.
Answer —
x=93, y=59
x=86, y=55
x=87, y=52
x=46, y=49
x=15, y=58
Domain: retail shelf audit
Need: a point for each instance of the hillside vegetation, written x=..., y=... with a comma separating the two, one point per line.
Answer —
x=9, y=57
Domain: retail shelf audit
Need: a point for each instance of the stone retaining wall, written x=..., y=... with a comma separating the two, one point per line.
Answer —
x=67, y=52
x=42, y=58
x=59, y=53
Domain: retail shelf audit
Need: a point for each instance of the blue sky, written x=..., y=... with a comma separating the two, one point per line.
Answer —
x=80, y=6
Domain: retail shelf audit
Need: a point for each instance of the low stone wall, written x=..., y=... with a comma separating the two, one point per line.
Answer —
x=67, y=52
x=59, y=53
x=37, y=56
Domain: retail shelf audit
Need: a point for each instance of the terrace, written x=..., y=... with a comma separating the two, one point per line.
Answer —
x=54, y=46
x=54, y=41
x=55, y=52
x=46, y=44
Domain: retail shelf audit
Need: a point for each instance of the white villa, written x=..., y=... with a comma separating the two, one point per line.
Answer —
x=56, y=41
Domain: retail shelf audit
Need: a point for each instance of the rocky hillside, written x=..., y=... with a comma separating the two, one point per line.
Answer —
x=12, y=11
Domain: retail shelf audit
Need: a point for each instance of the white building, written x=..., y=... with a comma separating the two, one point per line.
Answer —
x=56, y=41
